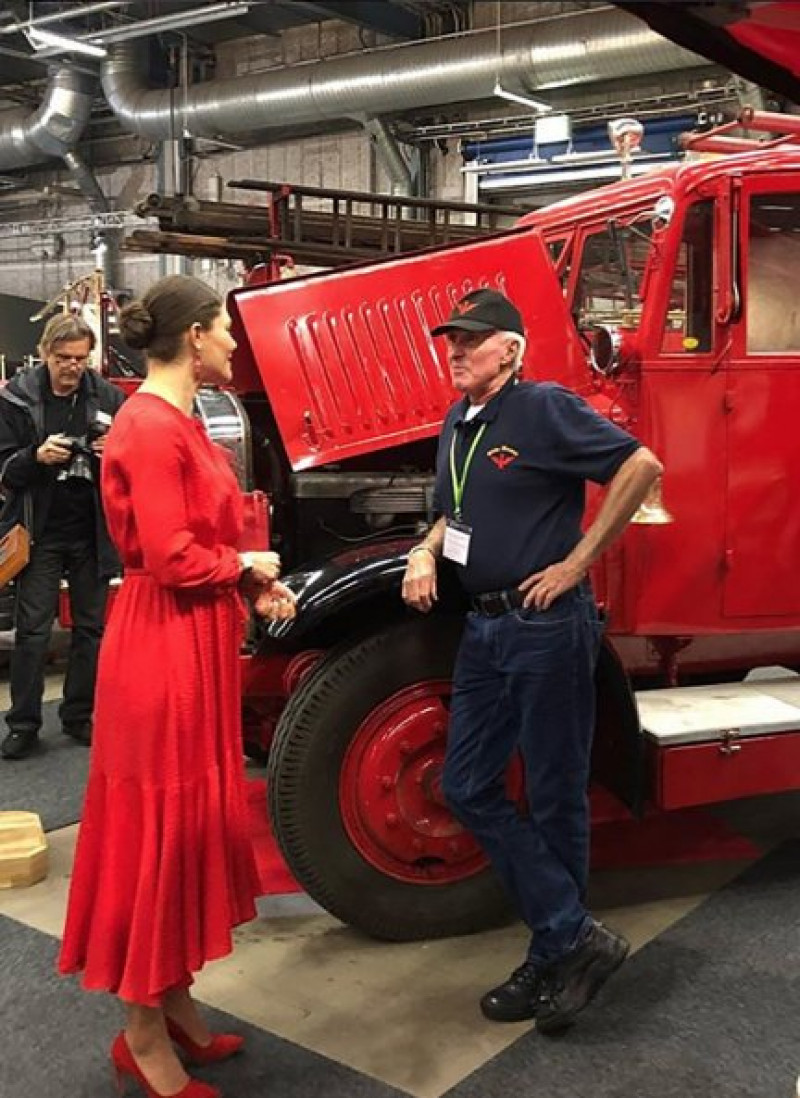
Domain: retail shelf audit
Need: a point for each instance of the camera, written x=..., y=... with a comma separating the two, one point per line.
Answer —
x=80, y=446
x=76, y=445
x=79, y=465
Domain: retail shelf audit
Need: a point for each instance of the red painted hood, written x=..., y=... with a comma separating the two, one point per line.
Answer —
x=346, y=357
x=760, y=41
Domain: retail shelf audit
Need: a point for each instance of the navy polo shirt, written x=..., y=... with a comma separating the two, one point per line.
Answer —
x=525, y=491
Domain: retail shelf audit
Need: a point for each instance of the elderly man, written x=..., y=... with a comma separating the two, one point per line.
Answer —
x=513, y=460
x=53, y=419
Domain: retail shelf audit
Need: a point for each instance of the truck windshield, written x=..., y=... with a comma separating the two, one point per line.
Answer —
x=612, y=265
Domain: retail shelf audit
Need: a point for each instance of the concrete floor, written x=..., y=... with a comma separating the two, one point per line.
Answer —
x=298, y=973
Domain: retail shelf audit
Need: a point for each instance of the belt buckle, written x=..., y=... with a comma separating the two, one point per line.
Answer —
x=482, y=603
x=496, y=604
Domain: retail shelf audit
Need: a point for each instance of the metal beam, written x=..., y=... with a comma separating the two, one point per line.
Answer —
x=11, y=183
x=114, y=219
x=7, y=52
x=267, y=19
x=386, y=18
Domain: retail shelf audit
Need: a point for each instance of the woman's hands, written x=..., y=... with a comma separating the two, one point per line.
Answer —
x=276, y=602
x=270, y=598
x=260, y=567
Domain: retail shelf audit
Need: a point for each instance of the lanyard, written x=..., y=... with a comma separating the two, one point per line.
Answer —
x=460, y=482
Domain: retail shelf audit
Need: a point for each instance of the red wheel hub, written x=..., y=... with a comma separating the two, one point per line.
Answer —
x=390, y=791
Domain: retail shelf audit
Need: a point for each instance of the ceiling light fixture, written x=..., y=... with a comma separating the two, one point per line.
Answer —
x=535, y=104
x=173, y=21
x=59, y=16
x=530, y=180
x=41, y=39
x=176, y=20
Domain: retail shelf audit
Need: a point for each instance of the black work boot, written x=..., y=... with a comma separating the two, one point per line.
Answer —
x=82, y=732
x=17, y=745
x=575, y=980
x=518, y=998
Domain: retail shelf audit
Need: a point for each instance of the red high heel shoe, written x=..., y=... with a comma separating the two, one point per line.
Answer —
x=221, y=1046
x=125, y=1065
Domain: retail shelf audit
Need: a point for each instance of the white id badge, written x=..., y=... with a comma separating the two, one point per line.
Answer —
x=457, y=537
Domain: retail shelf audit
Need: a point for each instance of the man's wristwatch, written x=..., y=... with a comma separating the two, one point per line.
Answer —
x=422, y=549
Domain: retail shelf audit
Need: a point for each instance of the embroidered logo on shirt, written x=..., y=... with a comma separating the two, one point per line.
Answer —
x=502, y=456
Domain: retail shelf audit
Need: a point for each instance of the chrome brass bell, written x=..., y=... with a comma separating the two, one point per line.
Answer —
x=651, y=511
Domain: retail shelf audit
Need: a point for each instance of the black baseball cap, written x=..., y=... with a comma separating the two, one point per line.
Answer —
x=483, y=311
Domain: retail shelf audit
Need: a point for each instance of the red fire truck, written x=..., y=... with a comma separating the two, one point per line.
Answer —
x=669, y=302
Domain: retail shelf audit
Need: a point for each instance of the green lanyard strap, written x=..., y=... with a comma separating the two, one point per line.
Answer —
x=460, y=482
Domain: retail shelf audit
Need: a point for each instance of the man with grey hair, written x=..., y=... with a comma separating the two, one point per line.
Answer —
x=514, y=457
x=53, y=420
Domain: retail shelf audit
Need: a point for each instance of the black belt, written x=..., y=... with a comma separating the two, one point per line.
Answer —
x=494, y=603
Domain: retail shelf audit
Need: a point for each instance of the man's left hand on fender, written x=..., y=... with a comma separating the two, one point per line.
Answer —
x=419, y=581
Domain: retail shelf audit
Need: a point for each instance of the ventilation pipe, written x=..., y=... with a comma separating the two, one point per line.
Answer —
x=86, y=181
x=574, y=49
x=52, y=130
x=107, y=243
x=390, y=156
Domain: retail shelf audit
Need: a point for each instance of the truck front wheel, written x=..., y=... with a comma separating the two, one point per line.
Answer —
x=355, y=792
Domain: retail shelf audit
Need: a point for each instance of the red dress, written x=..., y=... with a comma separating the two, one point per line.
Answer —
x=164, y=866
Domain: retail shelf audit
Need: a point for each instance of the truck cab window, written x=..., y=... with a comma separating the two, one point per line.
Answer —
x=689, y=318
x=773, y=268
x=612, y=265
x=560, y=251
x=555, y=248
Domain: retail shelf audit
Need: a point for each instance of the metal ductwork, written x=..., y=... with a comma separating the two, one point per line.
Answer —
x=86, y=181
x=54, y=129
x=390, y=156
x=107, y=243
x=574, y=49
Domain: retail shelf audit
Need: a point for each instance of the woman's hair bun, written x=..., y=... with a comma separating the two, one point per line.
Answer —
x=136, y=325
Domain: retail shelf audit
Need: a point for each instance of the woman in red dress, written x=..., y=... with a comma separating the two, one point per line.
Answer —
x=164, y=867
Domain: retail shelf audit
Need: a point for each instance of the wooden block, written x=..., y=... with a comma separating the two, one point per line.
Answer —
x=23, y=849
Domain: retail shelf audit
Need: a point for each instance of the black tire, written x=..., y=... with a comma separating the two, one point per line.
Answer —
x=312, y=737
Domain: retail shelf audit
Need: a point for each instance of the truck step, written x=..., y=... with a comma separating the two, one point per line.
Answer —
x=761, y=705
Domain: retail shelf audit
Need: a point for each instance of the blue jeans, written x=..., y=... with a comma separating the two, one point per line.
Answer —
x=525, y=679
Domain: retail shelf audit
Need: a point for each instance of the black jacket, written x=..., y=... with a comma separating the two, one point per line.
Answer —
x=22, y=431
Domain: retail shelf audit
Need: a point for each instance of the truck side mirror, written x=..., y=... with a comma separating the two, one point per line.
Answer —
x=611, y=348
